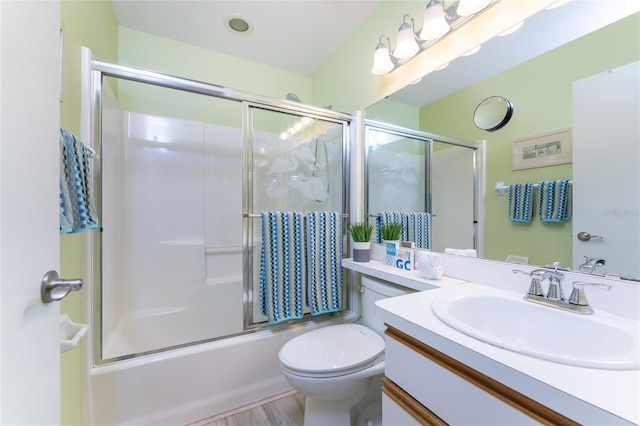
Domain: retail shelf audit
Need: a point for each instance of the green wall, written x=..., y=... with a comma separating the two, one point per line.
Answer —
x=185, y=60
x=541, y=91
x=91, y=24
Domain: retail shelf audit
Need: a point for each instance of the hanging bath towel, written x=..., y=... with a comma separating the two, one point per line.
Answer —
x=282, y=266
x=418, y=228
x=324, y=256
x=520, y=200
x=77, y=208
x=554, y=200
x=390, y=217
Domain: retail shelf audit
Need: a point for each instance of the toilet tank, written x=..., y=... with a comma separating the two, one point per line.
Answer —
x=372, y=291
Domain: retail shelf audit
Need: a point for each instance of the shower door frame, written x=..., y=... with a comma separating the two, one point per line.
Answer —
x=101, y=69
x=249, y=215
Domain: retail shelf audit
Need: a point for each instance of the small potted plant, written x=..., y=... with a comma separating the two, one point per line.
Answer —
x=361, y=235
x=390, y=233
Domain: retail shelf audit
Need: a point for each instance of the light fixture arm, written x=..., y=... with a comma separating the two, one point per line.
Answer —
x=405, y=25
x=381, y=42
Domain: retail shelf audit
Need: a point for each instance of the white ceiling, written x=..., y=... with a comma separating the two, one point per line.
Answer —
x=298, y=36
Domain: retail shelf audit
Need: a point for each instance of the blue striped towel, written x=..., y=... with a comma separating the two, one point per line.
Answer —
x=418, y=228
x=282, y=265
x=554, y=200
x=390, y=217
x=324, y=270
x=520, y=202
x=77, y=208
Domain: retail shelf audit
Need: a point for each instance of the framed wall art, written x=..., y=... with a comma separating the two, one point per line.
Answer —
x=545, y=149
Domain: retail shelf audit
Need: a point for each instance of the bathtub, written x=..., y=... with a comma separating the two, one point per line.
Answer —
x=189, y=384
x=212, y=310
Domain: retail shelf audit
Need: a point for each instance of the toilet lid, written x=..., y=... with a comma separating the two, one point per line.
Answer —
x=335, y=349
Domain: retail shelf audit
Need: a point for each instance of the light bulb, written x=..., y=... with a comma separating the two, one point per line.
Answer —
x=435, y=25
x=381, y=60
x=407, y=46
x=469, y=7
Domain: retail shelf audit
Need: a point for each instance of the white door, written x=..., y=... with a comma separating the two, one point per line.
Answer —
x=606, y=155
x=29, y=212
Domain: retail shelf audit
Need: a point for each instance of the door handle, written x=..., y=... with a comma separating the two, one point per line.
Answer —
x=54, y=289
x=585, y=236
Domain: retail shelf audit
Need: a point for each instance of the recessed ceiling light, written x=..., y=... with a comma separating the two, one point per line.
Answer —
x=238, y=24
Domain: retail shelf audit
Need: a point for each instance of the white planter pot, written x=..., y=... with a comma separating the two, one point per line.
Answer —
x=361, y=251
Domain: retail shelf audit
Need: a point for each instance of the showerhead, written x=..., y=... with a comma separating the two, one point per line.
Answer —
x=293, y=97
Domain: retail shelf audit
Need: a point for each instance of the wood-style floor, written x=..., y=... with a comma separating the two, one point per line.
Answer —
x=285, y=411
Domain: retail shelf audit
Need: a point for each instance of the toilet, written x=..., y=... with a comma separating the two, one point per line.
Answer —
x=338, y=368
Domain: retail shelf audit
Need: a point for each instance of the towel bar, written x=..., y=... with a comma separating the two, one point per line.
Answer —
x=378, y=215
x=501, y=188
x=257, y=216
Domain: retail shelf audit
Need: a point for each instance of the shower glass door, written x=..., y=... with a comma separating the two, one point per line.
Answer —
x=171, y=217
x=298, y=164
x=180, y=166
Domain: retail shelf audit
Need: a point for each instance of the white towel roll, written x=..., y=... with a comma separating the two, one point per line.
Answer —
x=462, y=252
x=426, y=270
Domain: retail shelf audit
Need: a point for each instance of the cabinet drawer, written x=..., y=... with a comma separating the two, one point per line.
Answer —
x=456, y=393
x=399, y=408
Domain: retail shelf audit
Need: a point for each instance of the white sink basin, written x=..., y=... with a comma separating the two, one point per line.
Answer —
x=600, y=341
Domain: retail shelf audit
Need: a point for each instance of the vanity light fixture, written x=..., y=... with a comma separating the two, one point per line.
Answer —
x=438, y=21
x=407, y=45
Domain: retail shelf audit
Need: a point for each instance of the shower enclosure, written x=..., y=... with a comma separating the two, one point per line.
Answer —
x=185, y=169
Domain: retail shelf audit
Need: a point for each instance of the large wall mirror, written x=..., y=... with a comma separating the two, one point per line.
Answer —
x=544, y=77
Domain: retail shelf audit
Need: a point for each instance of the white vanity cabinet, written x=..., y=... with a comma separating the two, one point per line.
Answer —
x=425, y=386
x=437, y=375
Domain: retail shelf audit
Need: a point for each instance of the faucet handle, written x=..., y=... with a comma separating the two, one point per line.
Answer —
x=537, y=275
x=578, y=296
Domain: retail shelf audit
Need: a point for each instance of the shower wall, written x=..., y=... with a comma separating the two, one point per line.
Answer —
x=172, y=219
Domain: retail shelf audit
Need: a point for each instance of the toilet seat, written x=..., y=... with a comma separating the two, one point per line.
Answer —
x=332, y=351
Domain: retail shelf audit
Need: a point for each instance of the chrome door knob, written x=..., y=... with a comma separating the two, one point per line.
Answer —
x=54, y=289
x=585, y=236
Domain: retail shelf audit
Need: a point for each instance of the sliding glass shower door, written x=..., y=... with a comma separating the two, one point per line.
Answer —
x=182, y=168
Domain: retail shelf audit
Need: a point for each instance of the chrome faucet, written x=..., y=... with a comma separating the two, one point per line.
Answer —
x=590, y=264
x=577, y=301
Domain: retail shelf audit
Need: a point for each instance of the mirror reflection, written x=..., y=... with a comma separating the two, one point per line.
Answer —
x=409, y=172
x=547, y=89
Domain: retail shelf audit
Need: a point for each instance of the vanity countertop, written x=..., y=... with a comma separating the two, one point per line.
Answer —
x=409, y=279
x=588, y=395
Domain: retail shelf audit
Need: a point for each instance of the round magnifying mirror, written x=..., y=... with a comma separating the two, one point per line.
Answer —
x=493, y=113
